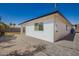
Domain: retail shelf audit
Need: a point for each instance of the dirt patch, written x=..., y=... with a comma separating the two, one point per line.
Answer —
x=28, y=52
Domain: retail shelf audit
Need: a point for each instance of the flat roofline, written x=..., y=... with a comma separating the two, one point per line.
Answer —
x=44, y=16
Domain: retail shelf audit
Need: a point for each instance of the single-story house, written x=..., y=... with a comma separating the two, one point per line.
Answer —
x=50, y=27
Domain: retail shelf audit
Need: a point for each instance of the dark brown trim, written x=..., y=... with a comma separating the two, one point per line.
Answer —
x=44, y=16
x=64, y=17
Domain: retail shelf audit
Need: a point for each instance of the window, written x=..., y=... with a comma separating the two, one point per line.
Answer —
x=24, y=29
x=66, y=27
x=56, y=28
x=39, y=26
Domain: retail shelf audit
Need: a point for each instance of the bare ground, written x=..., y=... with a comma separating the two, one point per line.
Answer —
x=28, y=46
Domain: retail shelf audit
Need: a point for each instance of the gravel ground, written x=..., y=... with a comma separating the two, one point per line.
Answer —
x=37, y=47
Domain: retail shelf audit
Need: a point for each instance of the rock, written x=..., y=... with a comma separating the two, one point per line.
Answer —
x=27, y=53
x=40, y=54
x=31, y=49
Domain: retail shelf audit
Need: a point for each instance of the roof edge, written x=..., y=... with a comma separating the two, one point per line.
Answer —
x=39, y=17
x=46, y=15
x=64, y=17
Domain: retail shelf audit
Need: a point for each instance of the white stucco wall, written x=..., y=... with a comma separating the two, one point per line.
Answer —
x=47, y=34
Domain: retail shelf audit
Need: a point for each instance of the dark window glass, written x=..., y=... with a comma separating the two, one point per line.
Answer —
x=66, y=27
x=24, y=29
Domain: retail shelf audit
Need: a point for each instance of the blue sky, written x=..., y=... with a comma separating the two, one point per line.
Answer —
x=17, y=13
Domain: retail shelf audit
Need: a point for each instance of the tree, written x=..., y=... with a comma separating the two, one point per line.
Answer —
x=14, y=24
x=0, y=19
x=3, y=27
x=10, y=24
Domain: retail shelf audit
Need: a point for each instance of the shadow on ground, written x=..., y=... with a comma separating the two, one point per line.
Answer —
x=6, y=38
x=69, y=37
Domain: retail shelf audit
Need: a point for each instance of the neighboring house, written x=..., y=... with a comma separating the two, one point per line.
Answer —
x=50, y=27
x=76, y=27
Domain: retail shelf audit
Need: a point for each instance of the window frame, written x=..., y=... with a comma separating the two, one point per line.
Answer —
x=66, y=27
x=39, y=26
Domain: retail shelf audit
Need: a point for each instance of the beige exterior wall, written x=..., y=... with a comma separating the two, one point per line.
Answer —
x=42, y=19
x=62, y=27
